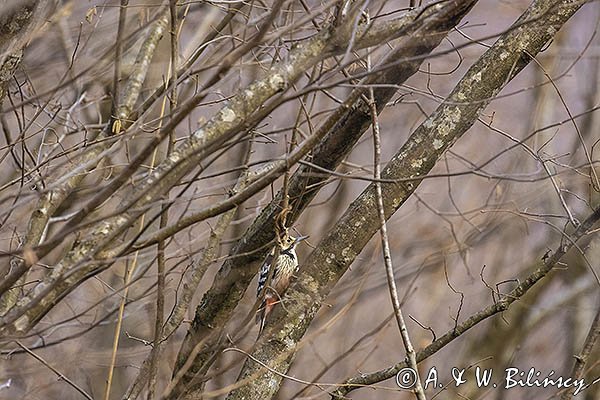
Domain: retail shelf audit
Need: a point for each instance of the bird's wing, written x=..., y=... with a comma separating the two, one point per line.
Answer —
x=263, y=274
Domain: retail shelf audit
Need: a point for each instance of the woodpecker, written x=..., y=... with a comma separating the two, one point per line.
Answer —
x=285, y=267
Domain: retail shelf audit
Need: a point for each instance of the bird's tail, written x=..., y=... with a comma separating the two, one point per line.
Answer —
x=265, y=309
x=261, y=315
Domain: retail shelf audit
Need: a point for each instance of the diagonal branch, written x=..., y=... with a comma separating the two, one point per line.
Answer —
x=582, y=358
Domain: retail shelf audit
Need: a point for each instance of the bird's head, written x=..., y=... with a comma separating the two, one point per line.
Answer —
x=290, y=242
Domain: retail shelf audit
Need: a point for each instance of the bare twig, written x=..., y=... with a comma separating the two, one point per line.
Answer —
x=581, y=359
x=60, y=375
x=385, y=244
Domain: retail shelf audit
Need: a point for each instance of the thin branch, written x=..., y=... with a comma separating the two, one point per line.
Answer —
x=60, y=375
x=582, y=358
x=164, y=217
x=385, y=245
x=115, y=126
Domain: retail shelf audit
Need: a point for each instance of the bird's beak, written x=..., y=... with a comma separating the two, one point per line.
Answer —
x=301, y=238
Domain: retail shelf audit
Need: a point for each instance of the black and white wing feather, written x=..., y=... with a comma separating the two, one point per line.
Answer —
x=263, y=274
